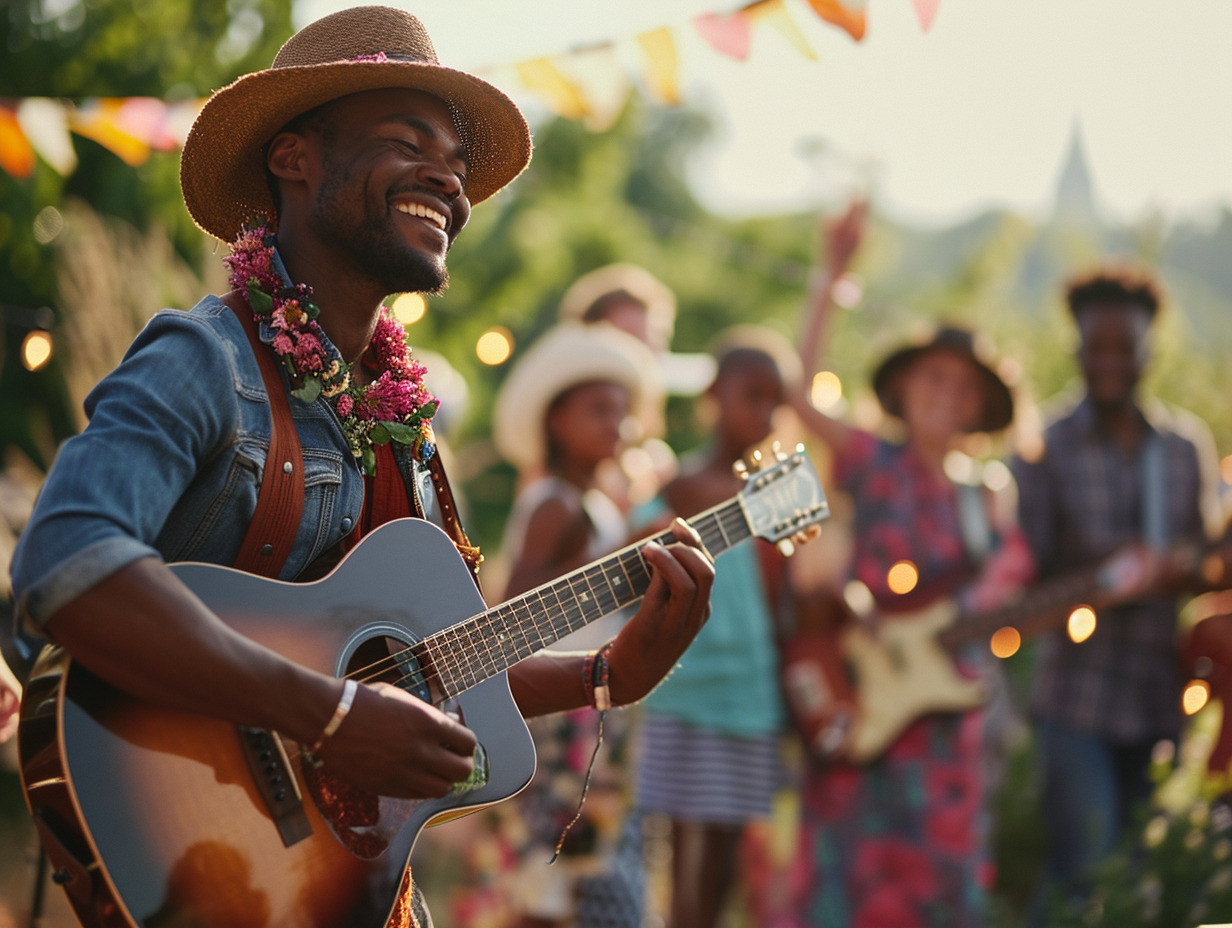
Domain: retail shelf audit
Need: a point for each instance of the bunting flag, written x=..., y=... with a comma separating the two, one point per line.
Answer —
x=540, y=76
x=602, y=81
x=774, y=12
x=590, y=85
x=662, y=65
x=729, y=35
x=926, y=10
x=848, y=15
x=45, y=123
x=16, y=152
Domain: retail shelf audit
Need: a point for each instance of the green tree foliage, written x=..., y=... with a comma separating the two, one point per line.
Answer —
x=103, y=48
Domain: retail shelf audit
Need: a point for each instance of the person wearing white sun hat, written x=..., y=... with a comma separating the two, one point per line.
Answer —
x=341, y=174
x=569, y=404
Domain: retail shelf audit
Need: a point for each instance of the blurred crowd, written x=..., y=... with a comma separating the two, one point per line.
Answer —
x=826, y=752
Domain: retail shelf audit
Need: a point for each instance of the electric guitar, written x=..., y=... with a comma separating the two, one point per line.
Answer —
x=853, y=692
x=157, y=818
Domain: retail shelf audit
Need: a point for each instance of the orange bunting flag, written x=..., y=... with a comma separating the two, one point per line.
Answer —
x=847, y=16
x=16, y=152
x=727, y=35
x=926, y=10
x=101, y=121
x=662, y=65
x=775, y=13
x=542, y=77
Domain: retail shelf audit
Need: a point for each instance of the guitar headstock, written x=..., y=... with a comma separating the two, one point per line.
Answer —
x=783, y=500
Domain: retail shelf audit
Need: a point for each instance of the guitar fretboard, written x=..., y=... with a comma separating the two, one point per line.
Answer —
x=470, y=652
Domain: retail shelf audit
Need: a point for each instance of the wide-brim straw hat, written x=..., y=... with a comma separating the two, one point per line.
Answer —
x=628, y=278
x=222, y=168
x=995, y=376
x=566, y=356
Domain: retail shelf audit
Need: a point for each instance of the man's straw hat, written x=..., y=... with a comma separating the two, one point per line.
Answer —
x=567, y=356
x=222, y=169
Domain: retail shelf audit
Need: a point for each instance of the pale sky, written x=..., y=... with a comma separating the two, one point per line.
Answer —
x=977, y=112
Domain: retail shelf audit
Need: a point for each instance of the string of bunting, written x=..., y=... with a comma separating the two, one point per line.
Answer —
x=589, y=84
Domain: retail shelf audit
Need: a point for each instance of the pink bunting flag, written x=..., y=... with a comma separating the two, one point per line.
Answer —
x=727, y=35
x=926, y=10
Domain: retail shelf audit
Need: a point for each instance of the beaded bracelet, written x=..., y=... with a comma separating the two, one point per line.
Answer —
x=349, y=688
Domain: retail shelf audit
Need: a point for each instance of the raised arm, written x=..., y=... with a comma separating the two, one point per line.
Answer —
x=841, y=238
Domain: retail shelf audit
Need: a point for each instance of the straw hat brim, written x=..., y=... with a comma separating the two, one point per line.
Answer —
x=222, y=167
x=998, y=410
x=567, y=356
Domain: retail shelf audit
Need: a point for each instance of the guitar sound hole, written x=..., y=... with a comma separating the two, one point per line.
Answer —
x=384, y=659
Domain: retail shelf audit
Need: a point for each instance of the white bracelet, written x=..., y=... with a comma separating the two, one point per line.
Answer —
x=349, y=689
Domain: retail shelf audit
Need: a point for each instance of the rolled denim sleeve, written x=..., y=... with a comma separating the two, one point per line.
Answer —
x=171, y=404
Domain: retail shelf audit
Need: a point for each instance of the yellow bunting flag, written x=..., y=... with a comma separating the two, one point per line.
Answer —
x=727, y=35
x=775, y=13
x=662, y=65
x=99, y=120
x=926, y=10
x=16, y=152
x=46, y=126
x=602, y=81
x=847, y=16
x=542, y=77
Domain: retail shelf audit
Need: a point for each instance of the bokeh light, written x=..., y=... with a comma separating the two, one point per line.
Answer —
x=1081, y=624
x=827, y=390
x=409, y=308
x=1005, y=642
x=494, y=346
x=36, y=349
x=902, y=577
x=1196, y=695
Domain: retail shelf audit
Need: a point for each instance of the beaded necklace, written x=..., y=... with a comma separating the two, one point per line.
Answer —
x=394, y=406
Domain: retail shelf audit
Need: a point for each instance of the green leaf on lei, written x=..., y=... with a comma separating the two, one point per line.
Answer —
x=309, y=391
x=379, y=433
x=403, y=434
x=369, y=458
x=261, y=302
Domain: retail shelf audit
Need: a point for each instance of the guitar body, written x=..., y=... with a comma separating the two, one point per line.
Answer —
x=156, y=818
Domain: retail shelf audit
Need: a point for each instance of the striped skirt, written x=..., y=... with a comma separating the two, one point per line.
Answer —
x=693, y=774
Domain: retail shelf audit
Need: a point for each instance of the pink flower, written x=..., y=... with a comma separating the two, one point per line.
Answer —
x=345, y=405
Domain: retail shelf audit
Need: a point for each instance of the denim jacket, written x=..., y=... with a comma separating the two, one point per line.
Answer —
x=171, y=464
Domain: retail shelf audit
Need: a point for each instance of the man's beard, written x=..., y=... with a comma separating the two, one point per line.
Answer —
x=375, y=248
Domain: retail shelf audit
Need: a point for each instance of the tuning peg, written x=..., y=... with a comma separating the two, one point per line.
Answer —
x=805, y=535
x=741, y=470
x=777, y=450
x=755, y=459
x=786, y=547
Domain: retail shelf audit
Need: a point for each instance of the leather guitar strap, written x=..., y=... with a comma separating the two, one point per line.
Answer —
x=280, y=501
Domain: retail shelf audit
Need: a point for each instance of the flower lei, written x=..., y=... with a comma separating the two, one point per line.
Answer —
x=395, y=406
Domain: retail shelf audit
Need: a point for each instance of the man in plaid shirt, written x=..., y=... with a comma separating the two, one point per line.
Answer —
x=1117, y=471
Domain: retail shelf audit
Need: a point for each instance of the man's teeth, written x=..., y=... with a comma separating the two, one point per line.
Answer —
x=423, y=212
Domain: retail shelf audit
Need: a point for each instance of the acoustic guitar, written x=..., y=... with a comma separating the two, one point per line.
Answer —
x=157, y=818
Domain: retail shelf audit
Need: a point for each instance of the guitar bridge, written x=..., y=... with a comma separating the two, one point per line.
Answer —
x=276, y=784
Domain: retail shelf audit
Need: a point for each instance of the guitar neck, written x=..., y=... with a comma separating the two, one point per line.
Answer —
x=470, y=652
x=1043, y=600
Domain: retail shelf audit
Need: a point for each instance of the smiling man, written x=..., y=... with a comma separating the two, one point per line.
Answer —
x=270, y=428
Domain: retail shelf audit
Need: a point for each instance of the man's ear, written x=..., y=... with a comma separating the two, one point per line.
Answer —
x=286, y=156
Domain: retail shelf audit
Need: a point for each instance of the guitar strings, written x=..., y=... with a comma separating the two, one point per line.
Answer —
x=459, y=665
